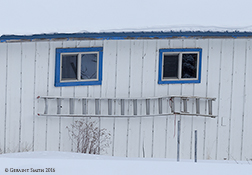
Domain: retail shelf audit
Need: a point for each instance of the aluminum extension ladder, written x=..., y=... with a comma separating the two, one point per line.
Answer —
x=200, y=106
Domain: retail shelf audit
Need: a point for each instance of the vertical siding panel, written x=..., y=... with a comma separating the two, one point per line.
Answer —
x=41, y=90
x=174, y=89
x=169, y=120
x=66, y=143
x=95, y=91
x=237, y=100
x=213, y=87
x=53, y=128
x=247, y=141
x=81, y=91
x=122, y=85
x=120, y=137
x=135, y=91
x=200, y=90
x=160, y=123
x=108, y=87
x=98, y=89
x=186, y=127
x=224, y=101
x=187, y=121
x=123, y=56
x=28, y=53
x=149, y=57
x=3, y=55
x=218, y=99
x=13, y=97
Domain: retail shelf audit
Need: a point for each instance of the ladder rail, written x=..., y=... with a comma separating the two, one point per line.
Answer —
x=126, y=98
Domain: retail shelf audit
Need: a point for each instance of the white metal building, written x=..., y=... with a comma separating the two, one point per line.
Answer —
x=135, y=85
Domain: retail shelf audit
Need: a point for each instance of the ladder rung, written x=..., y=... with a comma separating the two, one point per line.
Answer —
x=184, y=104
x=147, y=101
x=84, y=106
x=59, y=106
x=210, y=107
x=172, y=104
x=122, y=107
x=109, y=106
x=135, y=107
x=97, y=106
x=160, y=107
x=46, y=106
x=197, y=106
x=71, y=106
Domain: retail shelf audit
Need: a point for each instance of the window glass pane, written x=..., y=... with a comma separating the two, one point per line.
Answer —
x=170, y=67
x=69, y=67
x=189, y=65
x=88, y=66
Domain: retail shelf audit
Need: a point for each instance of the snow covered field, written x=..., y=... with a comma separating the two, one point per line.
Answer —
x=61, y=163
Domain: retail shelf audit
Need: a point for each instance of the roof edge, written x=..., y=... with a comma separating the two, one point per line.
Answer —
x=127, y=35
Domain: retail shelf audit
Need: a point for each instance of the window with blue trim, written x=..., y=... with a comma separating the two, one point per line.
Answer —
x=78, y=66
x=179, y=66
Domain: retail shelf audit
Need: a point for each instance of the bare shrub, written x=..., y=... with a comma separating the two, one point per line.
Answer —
x=23, y=147
x=88, y=137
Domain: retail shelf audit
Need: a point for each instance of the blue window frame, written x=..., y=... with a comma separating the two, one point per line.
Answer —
x=78, y=66
x=177, y=66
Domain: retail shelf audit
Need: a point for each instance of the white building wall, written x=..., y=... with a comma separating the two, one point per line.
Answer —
x=130, y=69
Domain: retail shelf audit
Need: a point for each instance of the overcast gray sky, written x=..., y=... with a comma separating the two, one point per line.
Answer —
x=46, y=16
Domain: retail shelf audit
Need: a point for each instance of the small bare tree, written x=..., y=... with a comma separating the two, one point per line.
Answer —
x=88, y=137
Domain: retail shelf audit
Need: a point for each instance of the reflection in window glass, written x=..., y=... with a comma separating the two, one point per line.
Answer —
x=69, y=67
x=189, y=65
x=88, y=66
x=170, y=66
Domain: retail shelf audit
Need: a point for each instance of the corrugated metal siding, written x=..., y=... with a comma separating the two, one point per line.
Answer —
x=130, y=69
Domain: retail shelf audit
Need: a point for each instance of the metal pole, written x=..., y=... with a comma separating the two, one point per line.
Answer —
x=195, y=150
x=178, y=143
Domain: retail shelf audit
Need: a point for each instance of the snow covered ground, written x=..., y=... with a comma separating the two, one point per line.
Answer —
x=62, y=163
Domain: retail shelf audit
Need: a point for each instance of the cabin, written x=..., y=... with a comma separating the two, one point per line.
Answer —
x=149, y=93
